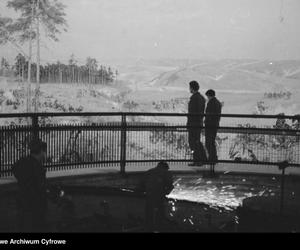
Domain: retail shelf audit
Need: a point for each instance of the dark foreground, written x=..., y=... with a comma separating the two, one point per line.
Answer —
x=199, y=203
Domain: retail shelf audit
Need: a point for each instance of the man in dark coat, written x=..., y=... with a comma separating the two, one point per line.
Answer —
x=32, y=194
x=158, y=183
x=214, y=108
x=196, y=106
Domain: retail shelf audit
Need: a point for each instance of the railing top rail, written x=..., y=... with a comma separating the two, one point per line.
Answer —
x=179, y=128
x=56, y=114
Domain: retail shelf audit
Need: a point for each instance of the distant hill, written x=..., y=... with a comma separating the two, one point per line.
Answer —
x=156, y=86
x=248, y=75
x=286, y=69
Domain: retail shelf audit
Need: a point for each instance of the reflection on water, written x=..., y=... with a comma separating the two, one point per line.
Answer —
x=226, y=192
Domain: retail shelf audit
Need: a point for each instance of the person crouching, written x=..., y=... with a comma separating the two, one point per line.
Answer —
x=158, y=184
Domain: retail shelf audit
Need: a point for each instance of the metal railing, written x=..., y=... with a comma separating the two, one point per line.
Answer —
x=121, y=138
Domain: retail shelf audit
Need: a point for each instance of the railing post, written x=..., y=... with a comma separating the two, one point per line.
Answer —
x=282, y=166
x=282, y=191
x=35, y=127
x=123, y=145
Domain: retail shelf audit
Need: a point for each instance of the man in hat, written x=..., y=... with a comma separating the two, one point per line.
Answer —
x=32, y=198
x=212, y=121
x=158, y=183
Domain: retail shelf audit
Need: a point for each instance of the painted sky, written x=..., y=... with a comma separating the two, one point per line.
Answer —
x=118, y=29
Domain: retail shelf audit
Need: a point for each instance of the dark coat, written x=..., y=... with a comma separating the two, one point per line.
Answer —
x=31, y=177
x=196, y=105
x=213, y=107
x=158, y=183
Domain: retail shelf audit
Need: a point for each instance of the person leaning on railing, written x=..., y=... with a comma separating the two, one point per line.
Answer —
x=212, y=121
x=32, y=191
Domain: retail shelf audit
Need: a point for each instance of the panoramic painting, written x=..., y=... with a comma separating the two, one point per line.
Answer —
x=149, y=116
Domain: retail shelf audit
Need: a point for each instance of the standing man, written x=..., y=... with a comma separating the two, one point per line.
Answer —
x=158, y=183
x=213, y=109
x=195, y=124
x=32, y=194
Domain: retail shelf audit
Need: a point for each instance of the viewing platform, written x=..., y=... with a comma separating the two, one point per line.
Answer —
x=220, y=168
x=105, y=161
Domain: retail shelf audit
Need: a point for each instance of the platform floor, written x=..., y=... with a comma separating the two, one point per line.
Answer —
x=175, y=167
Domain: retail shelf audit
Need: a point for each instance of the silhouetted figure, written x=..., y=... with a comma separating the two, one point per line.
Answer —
x=158, y=183
x=196, y=105
x=32, y=196
x=212, y=124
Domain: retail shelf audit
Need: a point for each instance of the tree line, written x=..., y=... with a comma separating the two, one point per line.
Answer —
x=281, y=94
x=32, y=16
x=37, y=20
x=59, y=72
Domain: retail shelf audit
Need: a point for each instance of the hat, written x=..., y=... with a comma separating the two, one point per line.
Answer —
x=210, y=92
x=163, y=164
x=37, y=145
